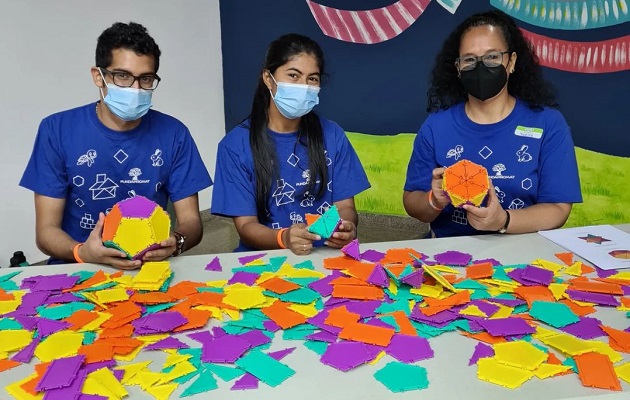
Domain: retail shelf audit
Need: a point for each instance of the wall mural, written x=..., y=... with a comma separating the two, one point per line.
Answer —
x=379, y=54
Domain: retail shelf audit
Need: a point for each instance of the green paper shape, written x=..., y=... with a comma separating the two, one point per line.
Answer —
x=308, y=264
x=276, y=262
x=8, y=286
x=300, y=296
x=6, y=277
x=397, y=305
x=265, y=368
x=520, y=309
x=235, y=329
x=224, y=373
x=316, y=346
x=470, y=284
x=195, y=354
x=210, y=289
x=319, y=304
x=256, y=269
x=204, y=383
x=185, y=378
x=7, y=324
x=63, y=310
x=99, y=287
x=557, y=315
x=304, y=282
x=480, y=294
x=570, y=362
x=505, y=296
x=408, y=269
x=399, y=377
x=500, y=274
x=153, y=308
x=83, y=275
x=112, y=245
x=389, y=320
x=299, y=332
x=89, y=337
x=326, y=224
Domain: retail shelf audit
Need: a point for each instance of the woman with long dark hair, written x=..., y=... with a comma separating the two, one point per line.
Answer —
x=285, y=161
x=490, y=104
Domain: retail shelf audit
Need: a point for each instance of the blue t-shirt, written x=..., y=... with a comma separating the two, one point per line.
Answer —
x=529, y=156
x=93, y=167
x=234, y=192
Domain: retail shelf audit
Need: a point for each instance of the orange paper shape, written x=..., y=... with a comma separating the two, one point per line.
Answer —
x=532, y=293
x=620, y=339
x=96, y=279
x=278, y=285
x=596, y=370
x=184, y=288
x=280, y=313
x=596, y=287
x=121, y=331
x=80, y=318
x=400, y=256
x=566, y=258
x=340, y=317
x=310, y=218
x=406, y=328
x=7, y=364
x=467, y=183
x=196, y=319
x=377, y=335
x=358, y=292
x=485, y=337
x=97, y=351
x=578, y=309
x=479, y=271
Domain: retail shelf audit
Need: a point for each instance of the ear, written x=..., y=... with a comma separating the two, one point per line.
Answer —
x=266, y=77
x=97, y=78
x=512, y=62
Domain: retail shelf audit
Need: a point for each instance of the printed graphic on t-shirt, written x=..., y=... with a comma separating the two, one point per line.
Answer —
x=523, y=155
x=121, y=156
x=516, y=204
x=293, y=160
x=283, y=193
x=498, y=170
x=526, y=183
x=459, y=217
x=485, y=152
x=156, y=159
x=322, y=209
x=87, y=222
x=329, y=186
x=308, y=200
x=328, y=160
x=295, y=218
x=78, y=180
x=134, y=173
x=500, y=194
x=79, y=202
x=104, y=188
x=88, y=158
x=275, y=225
x=455, y=152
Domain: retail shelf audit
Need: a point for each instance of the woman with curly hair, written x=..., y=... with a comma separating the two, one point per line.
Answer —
x=490, y=104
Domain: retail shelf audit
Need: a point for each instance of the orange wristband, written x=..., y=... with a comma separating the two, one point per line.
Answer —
x=279, y=238
x=432, y=204
x=75, y=252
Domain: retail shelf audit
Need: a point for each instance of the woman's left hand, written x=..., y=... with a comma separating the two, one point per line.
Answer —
x=343, y=235
x=489, y=218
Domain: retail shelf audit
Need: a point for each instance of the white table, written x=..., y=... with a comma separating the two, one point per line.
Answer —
x=449, y=375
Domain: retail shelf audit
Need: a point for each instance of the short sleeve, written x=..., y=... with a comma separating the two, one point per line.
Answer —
x=233, y=194
x=46, y=172
x=559, y=180
x=422, y=162
x=349, y=178
x=188, y=175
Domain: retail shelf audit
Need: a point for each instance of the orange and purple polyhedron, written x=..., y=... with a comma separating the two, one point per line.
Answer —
x=135, y=226
x=465, y=183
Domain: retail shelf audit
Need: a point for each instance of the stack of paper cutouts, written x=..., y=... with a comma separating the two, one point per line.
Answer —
x=465, y=183
x=327, y=223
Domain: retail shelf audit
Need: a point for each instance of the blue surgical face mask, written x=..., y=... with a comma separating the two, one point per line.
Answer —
x=128, y=104
x=294, y=100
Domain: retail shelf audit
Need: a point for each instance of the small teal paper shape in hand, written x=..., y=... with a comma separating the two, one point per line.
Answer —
x=327, y=224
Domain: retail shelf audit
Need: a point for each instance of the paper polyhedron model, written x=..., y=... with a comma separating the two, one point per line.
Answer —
x=327, y=223
x=135, y=226
x=465, y=183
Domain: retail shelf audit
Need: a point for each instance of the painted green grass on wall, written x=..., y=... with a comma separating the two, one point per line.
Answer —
x=604, y=180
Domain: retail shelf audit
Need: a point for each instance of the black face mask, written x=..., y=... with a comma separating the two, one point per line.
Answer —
x=484, y=82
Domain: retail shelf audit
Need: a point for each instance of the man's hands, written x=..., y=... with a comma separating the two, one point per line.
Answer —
x=93, y=250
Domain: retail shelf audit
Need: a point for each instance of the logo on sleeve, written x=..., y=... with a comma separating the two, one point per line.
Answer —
x=524, y=131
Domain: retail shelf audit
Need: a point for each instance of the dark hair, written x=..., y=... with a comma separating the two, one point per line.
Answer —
x=526, y=82
x=279, y=52
x=131, y=36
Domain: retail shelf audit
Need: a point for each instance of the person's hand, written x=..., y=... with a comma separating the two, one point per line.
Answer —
x=167, y=249
x=299, y=240
x=440, y=199
x=342, y=236
x=93, y=251
x=489, y=218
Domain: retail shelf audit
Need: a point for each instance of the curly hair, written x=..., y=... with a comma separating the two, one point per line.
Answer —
x=525, y=83
x=131, y=36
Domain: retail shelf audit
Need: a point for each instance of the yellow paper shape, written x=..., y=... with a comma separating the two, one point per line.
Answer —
x=584, y=303
x=568, y=344
x=175, y=358
x=103, y=382
x=504, y=312
x=15, y=389
x=131, y=356
x=124, y=281
x=545, y=370
x=550, y=265
x=377, y=359
x=217, y=284
x=91, y=297
x=180, y=369
x=149, y=378
x=623, y=371
x=392, y=287
x=575, y=269
x=604, y=348
x=473, y=310
x=288, y=271
x=543, y=333
x=625, y=275
x=162, y=392
x=111, y=295
x=265, y=276
x=445, y=269
x=243, y=297
x=256, y=263
x=520, y=354
x=503, y=286
x=494, y=291
x=439, y=278
x=150, y=339
x=233, y=314
x=160, y=222
x=428, y=291
x=132, y=370
x=7, y=306
x=490, y=370
x=58, y=345
x=215, y=312
x=95, y=324
x=152, y=275
x=558, y=290
x=308, y=310
x=12, y=340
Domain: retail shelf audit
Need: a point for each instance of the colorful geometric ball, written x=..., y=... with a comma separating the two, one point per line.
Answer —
x=465, y=183
x=135, y=226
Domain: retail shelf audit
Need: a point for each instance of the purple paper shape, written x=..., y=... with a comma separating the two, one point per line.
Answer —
x=201, y=336
x=254, y=338
x=136, y=207
x=597, y=298
x=488, y=260
x=319, y=321
x=247, y=278
x=453, y=257
x=415, y=278
x=141, y=254
x=335, y=301
x=91, y=367
x=352, y=249
x=118, y=374
x=226, y=349
x=57, y=283
x=586, y=328
x=168, y=343
x=245, y=382
x=539, y=275
x=378, y=276
x=84, y=396
x=365, y=308
x=63, y=298
x=322, y=336
x=61, y=373
x=604, y=273
x=158, y=323
x=30, y=301
x=247, y=259
x=280, y=354
x=47, y=326
x=438, y=320
x=507, y=326
x=30, y=282
x=214, y=265
x=372, y=255
x=72, y=391
x=271, y=326
x=29, y=323
x=323, y=286
x=409, y=349
x=487, y=308
x=217, y=331
x=517, y=275
x=26, y=354
x=346, y=355
x=626, y=290
x=482, y=350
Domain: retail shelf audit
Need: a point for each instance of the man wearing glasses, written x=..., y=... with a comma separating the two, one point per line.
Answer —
x=87, y=159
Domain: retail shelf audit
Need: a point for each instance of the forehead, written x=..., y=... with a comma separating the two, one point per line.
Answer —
x=304, y=62
x=128, y=60
x=481, y=39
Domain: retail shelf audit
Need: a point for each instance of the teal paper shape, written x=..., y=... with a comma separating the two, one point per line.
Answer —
x=224, y=373
x=64, y=310
x=399, y=377
x=570, y=362
x=327, y=224
x=470, y=284
x=500, y=274
x=308, y=264
x=8, y=286
x=300, y=296
x=480, y=294
x=6, y=277
x=7, y=324
x=389, y=320
x=557, y=315
x=265, y=368
x=276, y=262
x=153, y=308
x=316, y=346
x=204, y=383
x=88, y=338
x=299, y=332
x=83, y=275
x=302, y=281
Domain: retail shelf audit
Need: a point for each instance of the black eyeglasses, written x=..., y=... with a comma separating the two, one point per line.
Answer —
x=469, y=62
x=125, y=79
